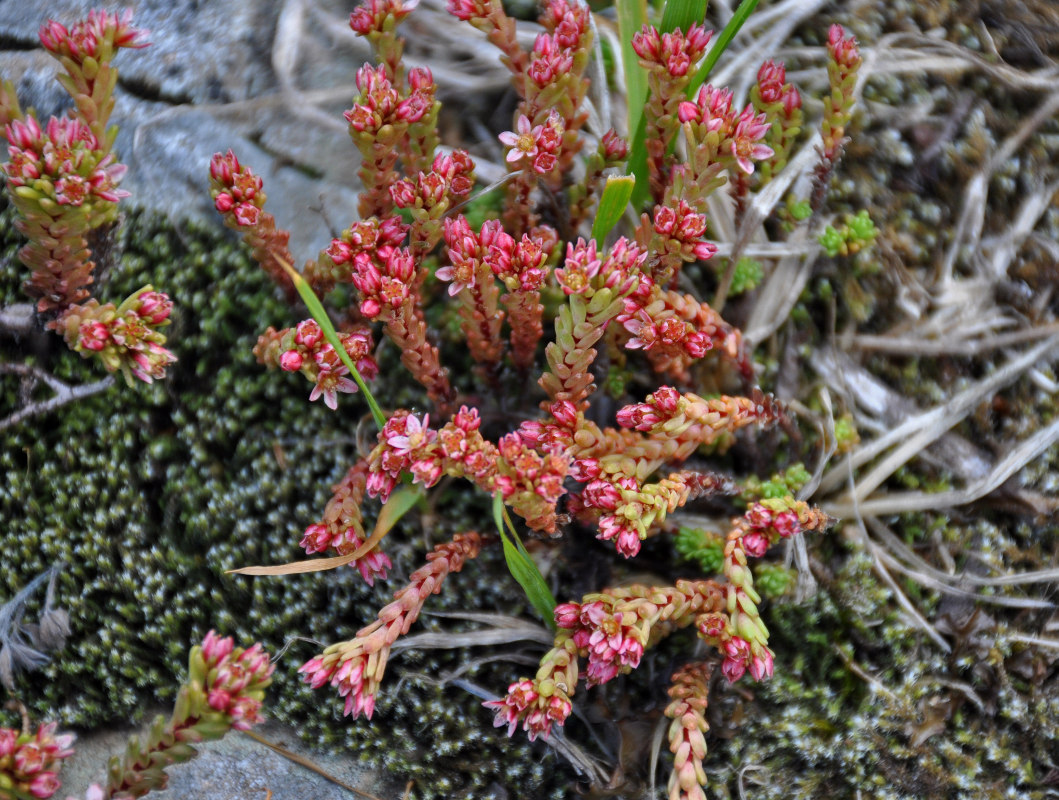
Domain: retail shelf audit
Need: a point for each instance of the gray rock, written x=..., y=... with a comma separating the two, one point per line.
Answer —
x=235, y=768
x=268, y=80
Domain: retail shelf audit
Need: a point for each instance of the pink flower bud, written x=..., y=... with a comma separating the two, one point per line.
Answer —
x=291, y=361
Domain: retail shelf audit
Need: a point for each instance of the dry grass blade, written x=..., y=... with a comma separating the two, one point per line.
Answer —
x=912, y=436
x=1016, y=458
x=899, y=549
x=879, y=559
x=503, y=629
x=952, y=346
x=972, y=216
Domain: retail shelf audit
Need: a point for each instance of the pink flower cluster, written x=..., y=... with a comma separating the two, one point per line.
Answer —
x=126, y=337
x=374, y=15
x=451, y=177
x=843, y=50
x=379, y=102
x=740, y=134
x=519, y=264
x=765, y=525
x=611, y=639
x=536, y=704
x=61, y=163
x=536, y=145
x=309, y=352
x=233, y=677
x=95, y=37
x=772, y=87
x=584, y=271
x=236, y=189
x=674, y=52
x=29, y=764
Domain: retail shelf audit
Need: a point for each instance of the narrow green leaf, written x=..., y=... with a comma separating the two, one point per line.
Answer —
x=739, y=18
x=521, y=566
x=632, y=16
x=682, y=14
x=612, y=205
x=316, y=309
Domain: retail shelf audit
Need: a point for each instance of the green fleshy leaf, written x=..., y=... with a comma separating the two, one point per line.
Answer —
x=316, y=309
x=612, y=205
x=632, y=16
x=522, y=567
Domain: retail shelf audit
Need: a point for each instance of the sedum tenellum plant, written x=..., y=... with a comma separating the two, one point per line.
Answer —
x=622, y=306
x=62, y=177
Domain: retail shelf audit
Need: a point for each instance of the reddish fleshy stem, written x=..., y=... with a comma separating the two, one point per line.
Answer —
x=356, y=667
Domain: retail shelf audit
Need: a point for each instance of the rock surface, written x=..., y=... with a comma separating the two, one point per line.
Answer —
x=234, y=768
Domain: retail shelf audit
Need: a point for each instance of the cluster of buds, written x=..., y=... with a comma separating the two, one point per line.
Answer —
x=781, y=103
x=668, y=59
x=239, y=197
x=126, y=337
x=342, y=526
x=842, y=65
x=430, y=195
x=356, y=667
x=379, y=124
x=30, y=762
x=304, y=349
x=224, y=691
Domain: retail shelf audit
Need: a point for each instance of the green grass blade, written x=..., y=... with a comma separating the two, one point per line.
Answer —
x=316, y=309
x=521, y=565
x=739, y=18
x=682, y=14
x=612, y=205
x=632, y=16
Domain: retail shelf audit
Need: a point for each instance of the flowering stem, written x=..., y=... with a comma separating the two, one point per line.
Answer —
x=316, y=308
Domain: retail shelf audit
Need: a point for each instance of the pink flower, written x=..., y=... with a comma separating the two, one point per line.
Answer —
x=329, y=382
x=761, y=665
x=524, y=143
x=291, y=361
x=44, y=784
x=736, y=658
x=416, y=434
x=749, y=130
